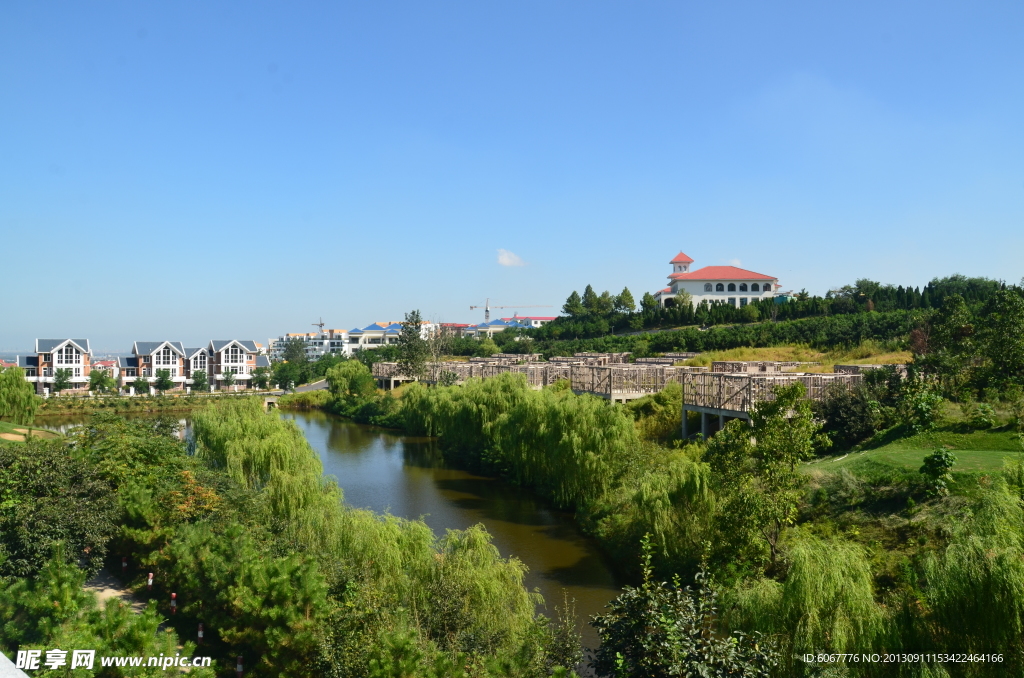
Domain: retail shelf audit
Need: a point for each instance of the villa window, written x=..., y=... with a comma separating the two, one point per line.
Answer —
x=78, y=371
x=68, y=355
x=754, y=288
x=743, y=287
x=129, y=372
x=743, y=302
x=47, y=371
x=719, y=287
x=707, y=287
x=732, y=301
x=199, y=362
x=165, y=356
x=233, y=355
x=732, y=287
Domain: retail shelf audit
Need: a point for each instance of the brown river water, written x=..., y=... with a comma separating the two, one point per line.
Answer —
x=383, y=471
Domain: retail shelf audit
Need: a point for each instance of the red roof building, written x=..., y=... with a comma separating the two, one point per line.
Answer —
x=715, y=284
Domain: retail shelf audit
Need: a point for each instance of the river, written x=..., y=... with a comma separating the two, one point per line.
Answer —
x=380, y=470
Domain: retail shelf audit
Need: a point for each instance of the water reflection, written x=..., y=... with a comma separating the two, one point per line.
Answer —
x=406, y=476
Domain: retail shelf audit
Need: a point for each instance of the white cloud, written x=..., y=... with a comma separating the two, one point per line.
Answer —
x=735, y=262
x=506, y=258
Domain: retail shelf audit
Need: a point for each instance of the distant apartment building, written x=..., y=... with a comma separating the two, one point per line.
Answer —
x=55, y=354
x=316, y=344
x=382, y=334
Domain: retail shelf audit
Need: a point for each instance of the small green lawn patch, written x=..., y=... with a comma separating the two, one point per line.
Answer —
x=16, y=433
x=978, y=451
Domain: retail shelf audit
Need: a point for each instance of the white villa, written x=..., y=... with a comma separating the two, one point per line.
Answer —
x=716, y=284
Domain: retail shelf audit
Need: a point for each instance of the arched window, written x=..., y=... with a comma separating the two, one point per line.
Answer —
x=755, y=288
x=719, y=287
x=732, y=287
x=707, y=287
x=743, y=287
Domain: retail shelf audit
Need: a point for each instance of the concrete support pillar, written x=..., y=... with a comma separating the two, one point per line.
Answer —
x=685, y=432
x=721, y=422
x=704, y=425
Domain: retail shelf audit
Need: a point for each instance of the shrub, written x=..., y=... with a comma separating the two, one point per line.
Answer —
x=661, y=629
x=936, y=469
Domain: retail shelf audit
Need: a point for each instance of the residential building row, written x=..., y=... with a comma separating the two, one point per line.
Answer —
x=220, y=357
x=385, y=333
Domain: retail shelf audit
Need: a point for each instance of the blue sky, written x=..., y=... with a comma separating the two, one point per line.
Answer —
x=192, y=170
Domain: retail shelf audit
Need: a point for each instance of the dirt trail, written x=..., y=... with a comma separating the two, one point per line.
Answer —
x=106, y=586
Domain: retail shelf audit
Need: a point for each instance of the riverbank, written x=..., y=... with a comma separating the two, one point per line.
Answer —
x=119, y=404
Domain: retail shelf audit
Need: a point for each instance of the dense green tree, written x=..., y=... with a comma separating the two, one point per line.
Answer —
x=101, y=382
x=227, y=378
x=951, y=346
x=351, y=380
x=18, y=399
x=294, y=355
x=51, y=497
x=261, y=377
x=573, y=305
x=1002, y=337
x=61, y=379
x=648, y=303
x=755, y=466
x=163, y=381
x=624, y=301
x=199, y=380
x=605, y=303
x=318, y=368
x=287, y=374
x=486, y=348
x=412, y=347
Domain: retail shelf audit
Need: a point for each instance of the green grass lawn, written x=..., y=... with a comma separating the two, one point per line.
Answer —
x=977, y=451
x=12, y=432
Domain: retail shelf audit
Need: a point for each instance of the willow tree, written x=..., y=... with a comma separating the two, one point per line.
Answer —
x=18, y=399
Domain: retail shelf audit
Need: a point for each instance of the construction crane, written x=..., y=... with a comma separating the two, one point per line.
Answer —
x=320, y=325
x=487, y=308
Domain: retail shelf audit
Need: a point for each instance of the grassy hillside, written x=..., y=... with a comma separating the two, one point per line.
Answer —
x=978, y=451
x=866, y=353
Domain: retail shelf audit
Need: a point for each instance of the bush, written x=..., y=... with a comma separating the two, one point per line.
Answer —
x=920, y=406
x=661, y=629
x=849, y=415
x=936, y=469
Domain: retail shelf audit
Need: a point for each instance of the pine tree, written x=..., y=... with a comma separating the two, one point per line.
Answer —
x=624, y=302
x=412, y=347
x=590, y=300
x=573, y=305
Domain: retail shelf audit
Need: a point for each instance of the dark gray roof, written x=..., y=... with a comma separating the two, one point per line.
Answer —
x=191, y=352
x=262, y=361
x=147, y=347
x=48, y=345
x=130, y=361
x=218, y=344
x=28, y=361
